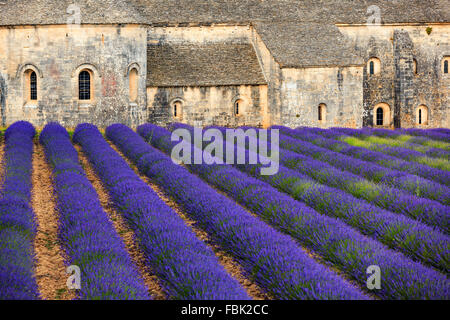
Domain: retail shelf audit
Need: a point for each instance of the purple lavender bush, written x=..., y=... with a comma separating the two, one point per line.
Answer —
x=271, y=259
x=354, y=159
x=17, y=219
x=418, y=143
x=434, y=134
x=303, y=159
x=327, y=236
x=188, y=269
x=424, y=160
x=88, y=236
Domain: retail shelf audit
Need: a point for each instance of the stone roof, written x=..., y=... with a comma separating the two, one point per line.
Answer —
x=35, y=12
x=299, y=11
x=307, y=44
x=203, y=65
x=48, y=12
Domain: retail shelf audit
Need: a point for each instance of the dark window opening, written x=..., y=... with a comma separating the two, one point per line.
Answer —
x=446, y=66
x=372, y=67
x=380, y=115
x=236, y=107
x=420, y=116
x=320, y=113
x=84, y=85
x=175, y=109
x=33, y=86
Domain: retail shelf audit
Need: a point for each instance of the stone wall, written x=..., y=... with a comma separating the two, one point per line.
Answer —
x=338, y=89
x=57, y=54
x=201, y=106
x=210, y=104
x=291, y=97
x=399, y=47
x=272, y=73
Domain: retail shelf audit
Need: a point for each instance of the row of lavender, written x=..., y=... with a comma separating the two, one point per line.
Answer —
x=17, y=219
x=317, y=162
x=418, y=142
x=85, y=230
x=156, y=226
x=358, y=161
x=440, y=134
x=434, y=157
x=333, y=240
x=273, y=260
x=414, y=161
x=411, y=237
x=416, y=136
x=186, y=267
x=390, y=152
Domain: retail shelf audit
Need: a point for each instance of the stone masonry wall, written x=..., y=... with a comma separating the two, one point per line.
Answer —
x=273, y=75
x=201, y=106
x=291, y=97
x=206, y=105
x=397, y=85
x=338, y=88
x=57, y=54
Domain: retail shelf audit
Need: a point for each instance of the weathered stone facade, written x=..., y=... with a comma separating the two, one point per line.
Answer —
x=337, y=89
x=57, y=54
x=411, y=73
x=208, y=105
x=280, y=62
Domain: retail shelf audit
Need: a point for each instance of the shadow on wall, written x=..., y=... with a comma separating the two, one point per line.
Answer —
x=3, y=100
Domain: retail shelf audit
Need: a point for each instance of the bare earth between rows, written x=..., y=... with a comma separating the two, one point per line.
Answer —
x=50, y=260
x=228, y=262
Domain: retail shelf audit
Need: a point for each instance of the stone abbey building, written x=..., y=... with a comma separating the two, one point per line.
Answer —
x=325, y=63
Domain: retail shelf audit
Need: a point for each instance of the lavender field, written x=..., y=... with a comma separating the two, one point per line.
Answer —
x=113, y=204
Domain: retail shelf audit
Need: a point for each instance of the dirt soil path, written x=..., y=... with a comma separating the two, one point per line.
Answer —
x=226, y=260
x=127, y=235
x=50, y=267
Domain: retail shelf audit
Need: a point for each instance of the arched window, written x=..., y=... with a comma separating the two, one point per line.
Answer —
x=33, y=86
x=177, y=106
x=133, y=82
x=380, y=116
x=238, y=107
x=373, y=66
x=414, y=66
x=84, y=85
x=422, y=115
x=30, y=86
x=321, y=112
x=444, y=65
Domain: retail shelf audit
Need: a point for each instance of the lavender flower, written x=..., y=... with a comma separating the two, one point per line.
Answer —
x=332, y=239
x=88, y=236
x=270, y=258
x=188, y=269
x=348, y=158
x=17, y=219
